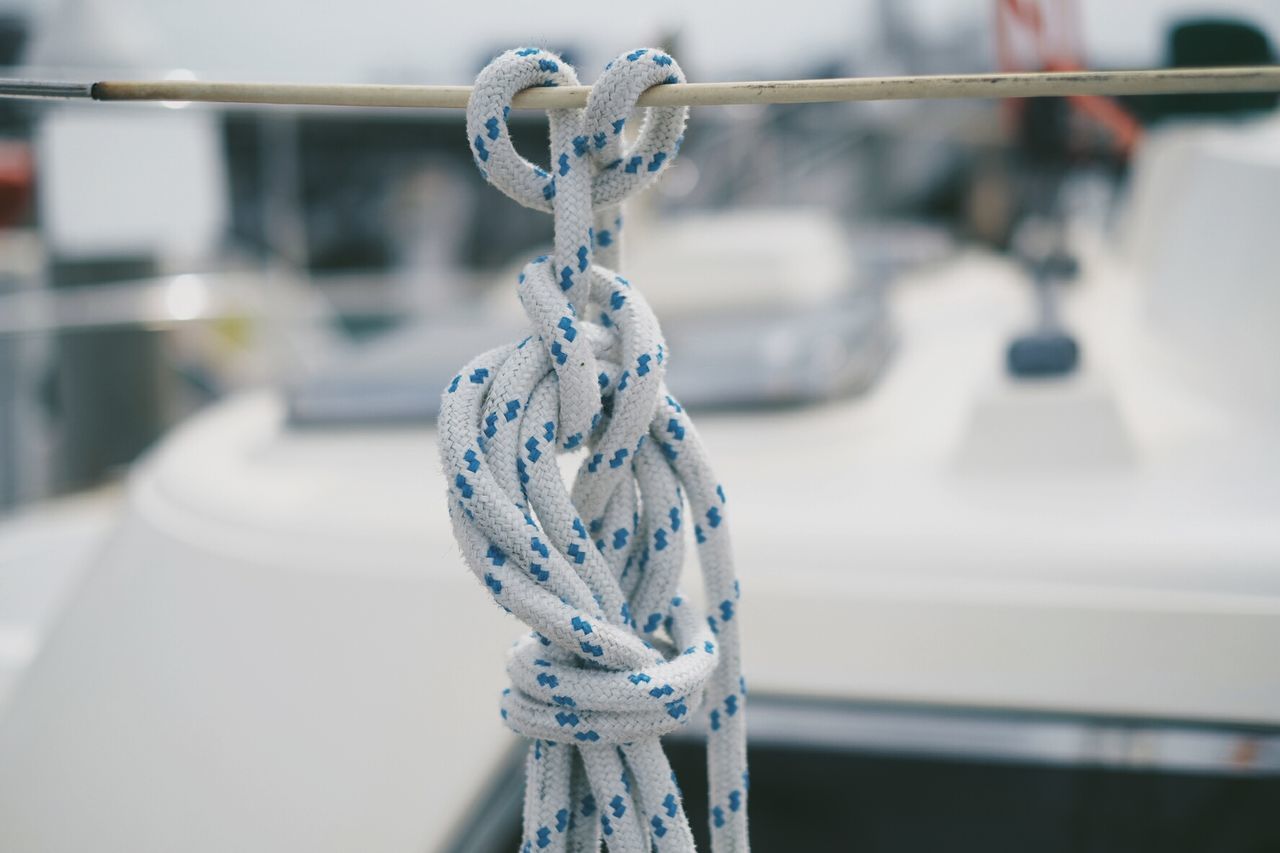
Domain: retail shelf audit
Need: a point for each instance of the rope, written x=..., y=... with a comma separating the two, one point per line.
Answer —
x=617, y=657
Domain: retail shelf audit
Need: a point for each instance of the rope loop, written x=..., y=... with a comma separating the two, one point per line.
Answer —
x=622, y=169
x=626, y=169
x=617, y=656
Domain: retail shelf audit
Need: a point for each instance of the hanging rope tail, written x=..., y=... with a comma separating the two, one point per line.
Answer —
x=617, y=657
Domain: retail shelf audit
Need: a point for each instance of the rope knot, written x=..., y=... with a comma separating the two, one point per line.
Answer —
x=562, y=697
x=617, y=657
x=591, y=170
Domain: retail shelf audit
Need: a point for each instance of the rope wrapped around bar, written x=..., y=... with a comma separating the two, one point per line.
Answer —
x=617, y=657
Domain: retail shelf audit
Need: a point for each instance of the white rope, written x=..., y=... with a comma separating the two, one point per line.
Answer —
x=617, y=658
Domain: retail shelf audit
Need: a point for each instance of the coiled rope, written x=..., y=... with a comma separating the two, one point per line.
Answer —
x=617, y=657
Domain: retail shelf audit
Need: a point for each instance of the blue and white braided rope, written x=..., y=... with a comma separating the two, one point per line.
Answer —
x=617, y=658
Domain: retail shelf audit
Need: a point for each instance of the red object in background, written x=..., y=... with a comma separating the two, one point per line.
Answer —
x=1032, y=35
x=17, y=176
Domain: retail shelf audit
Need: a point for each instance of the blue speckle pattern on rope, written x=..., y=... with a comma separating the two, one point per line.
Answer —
x=617, y=656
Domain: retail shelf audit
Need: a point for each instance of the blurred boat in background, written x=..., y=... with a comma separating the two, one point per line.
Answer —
x=996, y=410
x=1075, y=575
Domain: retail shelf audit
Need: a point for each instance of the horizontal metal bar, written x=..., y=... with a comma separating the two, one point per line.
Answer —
x=1169, y=81
x=44, y=89
x=1026, y=738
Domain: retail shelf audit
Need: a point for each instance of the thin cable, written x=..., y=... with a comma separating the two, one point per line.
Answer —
x=1170, y=81
x=46, y=89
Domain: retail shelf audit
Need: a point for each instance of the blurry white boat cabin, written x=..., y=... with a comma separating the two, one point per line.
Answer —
x=990, y=612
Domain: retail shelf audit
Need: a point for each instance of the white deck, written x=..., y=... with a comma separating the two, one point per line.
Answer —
x=279, y=649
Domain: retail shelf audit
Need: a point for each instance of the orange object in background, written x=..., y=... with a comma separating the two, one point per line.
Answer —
x=1044, y=35
x=17, y=177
